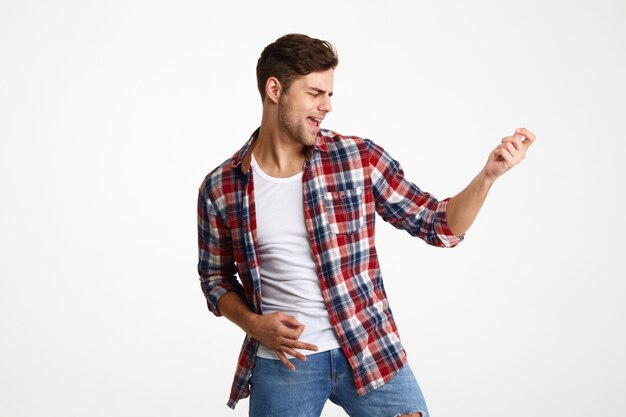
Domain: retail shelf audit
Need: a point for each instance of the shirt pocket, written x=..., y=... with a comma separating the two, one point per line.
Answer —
x=345, y=210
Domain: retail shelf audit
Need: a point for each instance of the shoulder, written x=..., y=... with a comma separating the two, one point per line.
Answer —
x=347, y=148
x=220, y=181
x=336, y=142
x=227, y=177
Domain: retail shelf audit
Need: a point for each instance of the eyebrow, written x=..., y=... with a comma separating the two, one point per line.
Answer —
x=319, y=90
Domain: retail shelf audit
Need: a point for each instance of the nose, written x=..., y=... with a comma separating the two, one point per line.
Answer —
x=326, y=106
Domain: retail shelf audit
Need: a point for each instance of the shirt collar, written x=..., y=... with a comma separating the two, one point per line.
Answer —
x=244, y=155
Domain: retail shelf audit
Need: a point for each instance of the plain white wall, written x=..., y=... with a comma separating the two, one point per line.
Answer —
x=112, y=113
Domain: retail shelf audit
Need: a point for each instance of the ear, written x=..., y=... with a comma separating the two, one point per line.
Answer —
x=273, y=89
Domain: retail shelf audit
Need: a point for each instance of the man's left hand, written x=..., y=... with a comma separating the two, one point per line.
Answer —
x=509, y=153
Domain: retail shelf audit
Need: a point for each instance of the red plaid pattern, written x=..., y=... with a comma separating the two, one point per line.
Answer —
x=346, y=180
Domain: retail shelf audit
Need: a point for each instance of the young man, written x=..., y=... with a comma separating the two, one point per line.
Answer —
x=292, y=214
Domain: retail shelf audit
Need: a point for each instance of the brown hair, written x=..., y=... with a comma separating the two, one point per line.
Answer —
x=291, y=56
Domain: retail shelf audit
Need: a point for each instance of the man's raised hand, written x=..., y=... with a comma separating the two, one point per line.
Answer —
x=509, y=153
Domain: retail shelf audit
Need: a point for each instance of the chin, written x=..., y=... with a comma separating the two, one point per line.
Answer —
x=311, y=141
x=307, y=140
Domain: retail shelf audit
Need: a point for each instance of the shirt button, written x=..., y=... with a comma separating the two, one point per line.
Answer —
x=250, y=363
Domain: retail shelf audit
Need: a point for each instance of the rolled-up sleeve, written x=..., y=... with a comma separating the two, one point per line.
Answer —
x=402, y=204
x=216, y=265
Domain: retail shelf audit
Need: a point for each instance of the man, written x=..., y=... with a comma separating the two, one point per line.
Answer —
x=292, y=214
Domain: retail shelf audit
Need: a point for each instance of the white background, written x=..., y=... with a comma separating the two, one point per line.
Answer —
x=112, y=113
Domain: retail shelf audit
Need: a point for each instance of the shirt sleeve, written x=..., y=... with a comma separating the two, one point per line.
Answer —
x=216, y=265
x=402, y=204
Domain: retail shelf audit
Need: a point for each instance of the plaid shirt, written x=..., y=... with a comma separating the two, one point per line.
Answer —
x=346, y=180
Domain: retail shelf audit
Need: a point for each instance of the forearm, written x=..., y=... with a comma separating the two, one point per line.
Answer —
x=236, y=310
x=464, y=207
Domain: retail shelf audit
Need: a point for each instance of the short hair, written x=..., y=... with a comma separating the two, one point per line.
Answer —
x=291, y=56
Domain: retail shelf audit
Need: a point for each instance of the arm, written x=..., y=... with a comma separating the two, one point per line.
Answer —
x=224, y=294
x=216, y=264
x=463, y=208
x=403, y=205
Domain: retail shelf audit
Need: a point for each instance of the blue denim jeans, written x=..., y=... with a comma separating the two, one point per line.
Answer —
x=278, y=392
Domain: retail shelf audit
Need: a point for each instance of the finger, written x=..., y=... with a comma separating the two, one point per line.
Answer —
x=515, y=136
x=296, y=344
x=290, y=321
x=505, y=146
x=516, y=141
x=501, y=146
x=284, y=360
x=503, y=154
x=288, y=333
x=299, y=331
x=301, y=345
x=294, y=353
x=530, y=137
x=509, y=146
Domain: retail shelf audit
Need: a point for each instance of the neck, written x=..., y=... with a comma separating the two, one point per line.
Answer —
x=276, y=152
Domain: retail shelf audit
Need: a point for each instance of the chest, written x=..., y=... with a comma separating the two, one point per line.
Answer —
x=279, y=211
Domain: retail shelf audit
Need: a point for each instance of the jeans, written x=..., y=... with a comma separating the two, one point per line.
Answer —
x=278, y=392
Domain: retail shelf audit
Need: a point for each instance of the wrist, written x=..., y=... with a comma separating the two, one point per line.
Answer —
x=249, y=321
x=485, y=179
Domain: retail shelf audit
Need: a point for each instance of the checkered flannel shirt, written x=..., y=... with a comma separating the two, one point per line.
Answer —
x=345, y=180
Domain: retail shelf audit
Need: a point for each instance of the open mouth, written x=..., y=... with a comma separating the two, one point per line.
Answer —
x=314, y=122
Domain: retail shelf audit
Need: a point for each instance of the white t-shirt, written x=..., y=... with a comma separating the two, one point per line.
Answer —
x=289, y=281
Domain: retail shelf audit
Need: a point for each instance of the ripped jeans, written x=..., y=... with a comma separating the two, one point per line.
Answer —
x=278, y=392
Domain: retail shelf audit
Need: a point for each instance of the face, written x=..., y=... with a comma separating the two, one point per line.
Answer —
x=304, y=105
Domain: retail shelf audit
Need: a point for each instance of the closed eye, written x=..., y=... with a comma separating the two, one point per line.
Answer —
x=317, y=91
